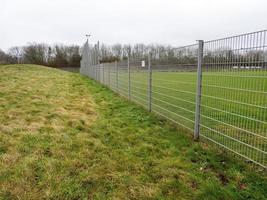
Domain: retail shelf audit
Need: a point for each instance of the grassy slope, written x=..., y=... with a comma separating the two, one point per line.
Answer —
x=63, y=136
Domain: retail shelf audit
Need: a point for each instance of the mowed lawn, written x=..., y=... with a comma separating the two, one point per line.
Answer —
x=63, y=136
x=233, y=106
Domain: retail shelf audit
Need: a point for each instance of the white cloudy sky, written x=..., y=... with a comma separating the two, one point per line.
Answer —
x=176, y=22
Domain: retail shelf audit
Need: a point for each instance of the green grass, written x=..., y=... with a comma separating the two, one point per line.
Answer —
x=63, y=136
x=233, y=105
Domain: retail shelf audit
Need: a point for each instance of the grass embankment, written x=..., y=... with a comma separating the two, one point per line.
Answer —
x=63, y=136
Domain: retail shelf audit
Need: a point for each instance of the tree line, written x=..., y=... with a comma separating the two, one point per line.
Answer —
x=70, y=55
x=167, y=54
x=43, y=54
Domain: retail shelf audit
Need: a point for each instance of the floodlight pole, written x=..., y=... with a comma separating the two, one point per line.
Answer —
x=88, y=36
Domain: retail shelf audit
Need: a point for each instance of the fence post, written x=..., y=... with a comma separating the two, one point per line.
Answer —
x=129, y=79
x=93, y=75
x=103, y=71
x=108, y=75
x=93, y=72
x=99, y=71
x=198, y=89
x=117, y=76
x=96, y=72
x=149, y=82
x=97, y=75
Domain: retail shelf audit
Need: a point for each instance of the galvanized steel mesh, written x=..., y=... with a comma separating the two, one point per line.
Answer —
x=233, y=89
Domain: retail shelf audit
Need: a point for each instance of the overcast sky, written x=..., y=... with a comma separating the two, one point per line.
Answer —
x=175, y=22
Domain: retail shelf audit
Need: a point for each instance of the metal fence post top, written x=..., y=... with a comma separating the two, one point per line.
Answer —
x=200, y=42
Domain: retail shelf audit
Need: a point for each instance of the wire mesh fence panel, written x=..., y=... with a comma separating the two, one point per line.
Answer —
x=101, y=73
x=174, y=85
x=234, y=95
x=139, y=81
x=106, y=74
x=231, y=89
x=110, y=75
x=123, y=81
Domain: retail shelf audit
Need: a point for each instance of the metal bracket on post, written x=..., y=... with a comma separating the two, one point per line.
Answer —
x=198, y=89
x=129, y=79
x=149, y=82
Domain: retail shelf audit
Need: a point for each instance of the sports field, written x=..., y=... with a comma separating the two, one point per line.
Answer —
x=233, y=105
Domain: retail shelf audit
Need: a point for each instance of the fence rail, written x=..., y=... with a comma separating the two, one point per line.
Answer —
x=215, y=89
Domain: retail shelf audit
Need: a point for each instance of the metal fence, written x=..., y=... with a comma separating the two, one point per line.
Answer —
x=216, y=89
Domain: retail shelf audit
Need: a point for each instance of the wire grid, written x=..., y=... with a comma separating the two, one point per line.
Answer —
x=115, y=76
x=139, y=81
x=234, y=90
x=234, y=95
x=122, y=77
x=174, y=86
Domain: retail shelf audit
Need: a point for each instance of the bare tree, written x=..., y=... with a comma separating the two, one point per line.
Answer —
x=16, y=53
